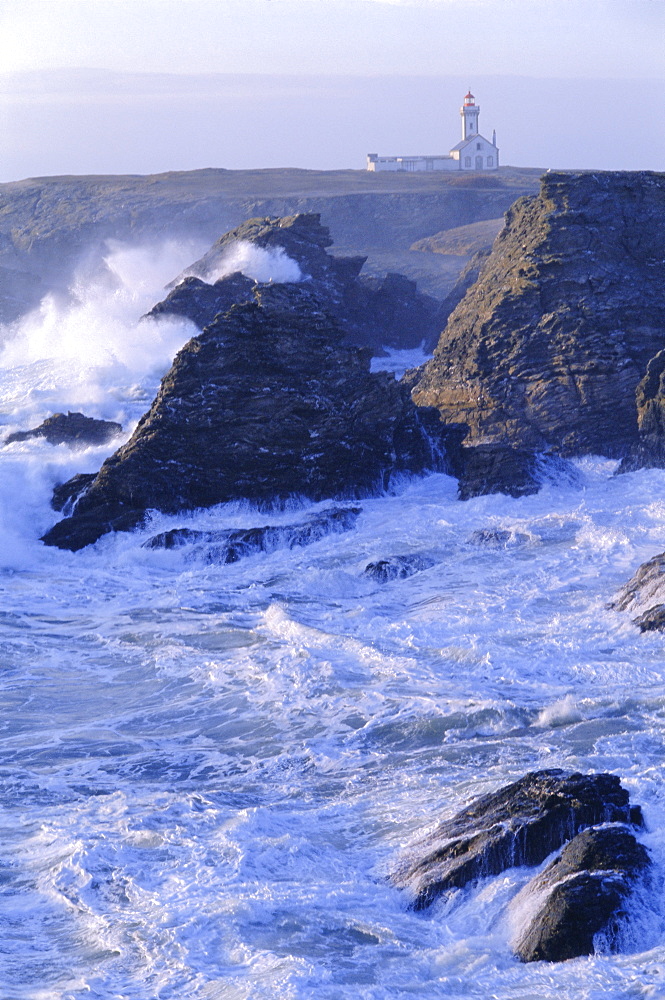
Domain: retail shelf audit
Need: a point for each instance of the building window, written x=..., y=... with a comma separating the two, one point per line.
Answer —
x=467, y=161
x=490, y=161
x=479, y=145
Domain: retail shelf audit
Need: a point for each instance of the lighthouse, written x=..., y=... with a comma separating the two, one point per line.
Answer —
x=469, y=112
x=474, y=152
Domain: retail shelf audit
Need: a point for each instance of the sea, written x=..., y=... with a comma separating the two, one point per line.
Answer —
x=208, y=772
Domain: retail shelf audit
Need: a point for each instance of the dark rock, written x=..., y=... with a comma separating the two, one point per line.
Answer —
x=518, y=825
x=65, y=496
x=549, y=344
x=375, y=312
x=232, y=545
x=200, y=302
x=643, y=589
x=497, y=538
x=73, y=429
x=396, y=567
x=649, y=452
x=583, y=892
x=263, y=405
x=496, y=468
x=652, y=620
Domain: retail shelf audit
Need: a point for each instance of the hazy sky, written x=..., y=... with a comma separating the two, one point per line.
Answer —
x=118, y=86
x=548, y=38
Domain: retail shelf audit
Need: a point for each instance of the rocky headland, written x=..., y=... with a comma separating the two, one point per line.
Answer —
x=548, y=346
x=52, y=226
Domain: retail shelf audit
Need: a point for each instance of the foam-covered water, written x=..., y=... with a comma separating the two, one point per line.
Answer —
x=207, y=770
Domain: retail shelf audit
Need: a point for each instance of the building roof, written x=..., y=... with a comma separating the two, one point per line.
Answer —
x=472, y=138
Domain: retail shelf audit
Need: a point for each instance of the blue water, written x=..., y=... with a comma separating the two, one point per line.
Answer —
x=207, y=771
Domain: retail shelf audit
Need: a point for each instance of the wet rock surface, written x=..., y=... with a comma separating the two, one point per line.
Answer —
x=73, y=429
x=263, y=405
x=396, y=567
x=644, y=592
x=376, y=312
x=66, y=494
x=496, y=468
x=229, y=546
x=498, y=538
x=550, y=343
x=582, y=893
x=520, y=824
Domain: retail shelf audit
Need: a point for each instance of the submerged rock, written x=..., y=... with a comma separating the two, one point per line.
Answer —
x=497, y=538
x=375, y=312
x=265, y=404
x=549, y=344
x=583, y=892
x=518, y=825
x=73, y=429
x=396, y=567
x=231, y=545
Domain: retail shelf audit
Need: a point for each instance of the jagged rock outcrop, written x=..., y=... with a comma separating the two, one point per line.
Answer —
x=222, y=547
x=518, y=825
x=549, y=344
x=377, y=312
x=583, y=892
x=73, y=429
x=645, y=593
x=264, y=404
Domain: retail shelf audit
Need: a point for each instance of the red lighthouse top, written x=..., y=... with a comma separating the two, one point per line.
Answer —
x=469, y=98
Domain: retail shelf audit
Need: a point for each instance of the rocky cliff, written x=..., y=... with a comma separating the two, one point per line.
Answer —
x=263, y=405
x=550, y=343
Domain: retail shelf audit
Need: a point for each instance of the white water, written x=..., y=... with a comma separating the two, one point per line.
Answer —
x=207, y=771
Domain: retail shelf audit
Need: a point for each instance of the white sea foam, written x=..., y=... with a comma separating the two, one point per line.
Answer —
x=260, y=263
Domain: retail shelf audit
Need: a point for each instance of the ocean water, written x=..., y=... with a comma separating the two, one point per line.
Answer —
x=207, y=771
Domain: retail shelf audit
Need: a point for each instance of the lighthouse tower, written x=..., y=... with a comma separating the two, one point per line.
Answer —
x=469, y=112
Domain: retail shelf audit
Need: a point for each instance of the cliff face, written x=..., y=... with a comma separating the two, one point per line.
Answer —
x=548, y=346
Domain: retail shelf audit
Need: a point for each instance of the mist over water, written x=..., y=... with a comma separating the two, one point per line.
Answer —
x=208, y=770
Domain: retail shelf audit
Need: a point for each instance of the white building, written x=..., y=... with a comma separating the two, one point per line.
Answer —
x=474, y=152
